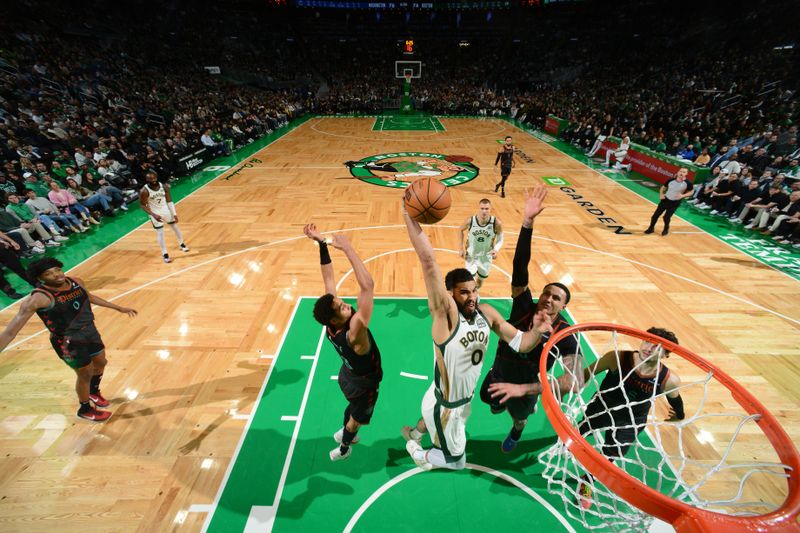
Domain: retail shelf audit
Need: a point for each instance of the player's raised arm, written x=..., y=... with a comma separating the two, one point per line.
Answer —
x=326, y=265
x=27, y=308
x=534, y=205
x=439, y=300
x=360, y=321
x=518, y=340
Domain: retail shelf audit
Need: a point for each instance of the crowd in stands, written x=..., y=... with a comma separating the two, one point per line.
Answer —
x=86, y=110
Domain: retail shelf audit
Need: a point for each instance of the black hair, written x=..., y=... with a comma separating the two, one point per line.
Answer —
x=39, y=266
x=323, y=309
x=562, y=287
x=664, y=334
x=457, y=275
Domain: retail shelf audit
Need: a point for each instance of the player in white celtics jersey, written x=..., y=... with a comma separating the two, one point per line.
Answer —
x=460, y=335
x=156, y=201
x=484, y=240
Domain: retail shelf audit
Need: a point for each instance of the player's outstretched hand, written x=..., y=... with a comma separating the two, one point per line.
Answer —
x=534, y=201
x=131, y=312
x=506, y=391
x=541, y=322
x=312, y=233
x=340, y=241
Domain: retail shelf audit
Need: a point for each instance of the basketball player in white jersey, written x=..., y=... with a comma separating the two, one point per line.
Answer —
x=484, y=240
x=157, y=203
x=460, y=335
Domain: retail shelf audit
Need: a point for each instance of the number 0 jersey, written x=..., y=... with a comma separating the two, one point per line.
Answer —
x=462, y=355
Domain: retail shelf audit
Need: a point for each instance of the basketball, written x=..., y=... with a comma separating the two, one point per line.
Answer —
x=427, y=200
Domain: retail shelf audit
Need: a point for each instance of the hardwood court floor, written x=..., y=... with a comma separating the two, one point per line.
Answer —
x=184, y=373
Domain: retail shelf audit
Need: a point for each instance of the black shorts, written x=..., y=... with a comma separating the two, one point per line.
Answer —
x=77, y=353
x=361, y=392
x=509, y=371
x=505, y=171
x=619, y=434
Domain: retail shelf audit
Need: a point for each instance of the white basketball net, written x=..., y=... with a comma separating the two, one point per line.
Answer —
x=705, y=460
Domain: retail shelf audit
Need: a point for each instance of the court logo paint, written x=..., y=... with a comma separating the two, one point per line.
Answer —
x=399, y=169
x=555, y=181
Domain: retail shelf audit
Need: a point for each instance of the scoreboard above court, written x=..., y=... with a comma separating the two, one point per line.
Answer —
x=476, y=4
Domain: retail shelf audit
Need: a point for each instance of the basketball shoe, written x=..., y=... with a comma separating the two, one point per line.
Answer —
x=95, y=415
x=98, y=399
x=338, y=437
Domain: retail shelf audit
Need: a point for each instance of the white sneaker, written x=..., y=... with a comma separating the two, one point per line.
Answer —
x=167, y=259
x=336, y=453
x=37, y=250
x=51, y=242
x=406, y=431
x=704, y=206
x=184, y=248
x=749, y=226
x=123, y=207
x=735, y=220
x=692, y=201
x=714, y=212
x=338, y=437
x=60, y=238
x=413, y=446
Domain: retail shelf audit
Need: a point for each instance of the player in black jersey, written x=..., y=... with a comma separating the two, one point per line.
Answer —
x=621, y=406
x=64, y=305
x=347, y=329
x=512, y=384
x=506, y=159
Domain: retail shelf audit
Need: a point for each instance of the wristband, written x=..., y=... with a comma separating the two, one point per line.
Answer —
x=324, y=255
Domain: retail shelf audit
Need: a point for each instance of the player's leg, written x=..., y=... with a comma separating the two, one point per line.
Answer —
x=84, y=371
x=482, y=272
x=358, y=413
x=162, y=243
x=504, y=173
x=519, y=408
x=99, y=363
x=178, y=235
x=486, y=397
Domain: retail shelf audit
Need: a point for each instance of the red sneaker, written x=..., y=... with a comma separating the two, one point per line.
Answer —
x=98, y=399
x=95, y=415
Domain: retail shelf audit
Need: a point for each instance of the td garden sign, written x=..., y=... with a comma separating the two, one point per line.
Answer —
x=401, y=168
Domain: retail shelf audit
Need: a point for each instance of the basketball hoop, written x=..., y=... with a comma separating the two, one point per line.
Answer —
x=682, y=489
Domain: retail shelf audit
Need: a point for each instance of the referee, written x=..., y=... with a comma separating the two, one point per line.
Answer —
x=671, y=194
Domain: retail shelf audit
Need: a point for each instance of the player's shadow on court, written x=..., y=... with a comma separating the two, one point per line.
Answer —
x=192, y=394
x=316, y=473
x=750, y=263
x=487, y=452
x=418, y=311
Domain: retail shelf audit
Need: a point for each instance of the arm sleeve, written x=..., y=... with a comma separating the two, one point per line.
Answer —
x=677, y=405
x=324, y=254
x=497, y=159
x=522, y=256
x=499, y=243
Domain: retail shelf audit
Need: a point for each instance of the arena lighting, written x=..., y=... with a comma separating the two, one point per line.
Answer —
x=463, y=44
x=784, y=47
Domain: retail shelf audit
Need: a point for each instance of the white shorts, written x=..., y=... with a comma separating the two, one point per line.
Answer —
x=166, y=218
x=478, y=265
x=447, y=427
x=620, y=155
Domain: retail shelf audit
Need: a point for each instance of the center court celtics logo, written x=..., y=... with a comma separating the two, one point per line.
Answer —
x=401, y=168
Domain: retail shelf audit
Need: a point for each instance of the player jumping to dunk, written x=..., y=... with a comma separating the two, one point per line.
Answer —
x=460, y=333
x=347, y=329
